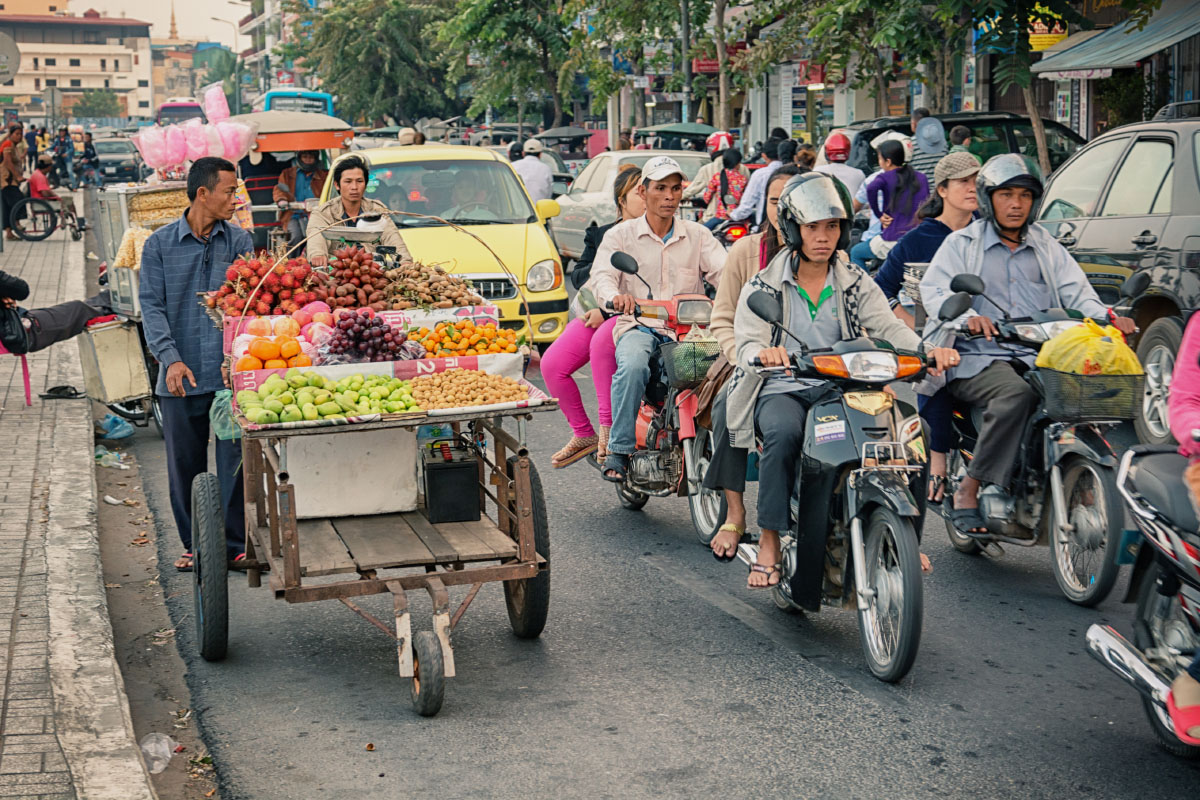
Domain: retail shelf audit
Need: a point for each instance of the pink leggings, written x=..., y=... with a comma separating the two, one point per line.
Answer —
x=577, y=345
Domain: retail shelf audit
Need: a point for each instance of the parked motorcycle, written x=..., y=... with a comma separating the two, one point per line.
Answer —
x=666, y=428
x=853, y=541
x=1063, y=490
x=1165, y=582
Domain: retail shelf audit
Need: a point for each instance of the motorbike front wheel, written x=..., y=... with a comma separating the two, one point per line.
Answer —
x=890, y=626
x=707, y=505
x=1085, y=557
x=1160, y=624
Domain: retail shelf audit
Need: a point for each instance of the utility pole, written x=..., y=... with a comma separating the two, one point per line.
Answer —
x=687, y=64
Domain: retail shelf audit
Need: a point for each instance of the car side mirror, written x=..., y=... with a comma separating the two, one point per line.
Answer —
x=623, y=262
x=965, y=282
x=765, y=307
x=955, y=306
x=546, y=209
x=1135, y=284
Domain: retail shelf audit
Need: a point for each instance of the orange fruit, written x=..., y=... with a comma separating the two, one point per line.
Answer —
x=264, y=349
x=300, y=361
x=275, y=363
x=512, y=348
x=247, y=364
x=287, y=327
x=289, y=349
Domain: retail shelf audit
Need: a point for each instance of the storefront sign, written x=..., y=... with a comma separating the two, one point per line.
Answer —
x=641, y=82
x=284, y=77
x=1047, y=31
x=1062, y=102
x=1076, y=74
x=1077, y=88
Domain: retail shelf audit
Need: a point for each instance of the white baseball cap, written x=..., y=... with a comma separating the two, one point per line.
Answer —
x=661, y=167
x=532, y=146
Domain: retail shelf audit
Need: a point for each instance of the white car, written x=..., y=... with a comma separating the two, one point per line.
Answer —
x=590, y=201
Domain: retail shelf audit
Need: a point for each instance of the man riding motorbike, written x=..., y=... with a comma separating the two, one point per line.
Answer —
x=825, y=300
x=1025, y=271
x=302, y=181
x=674, y=256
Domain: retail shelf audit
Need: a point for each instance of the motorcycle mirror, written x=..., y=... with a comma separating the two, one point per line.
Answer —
x=765, y=307
x=955, y=306
x=623, y=262
x=966, y=282
x=1135, y=284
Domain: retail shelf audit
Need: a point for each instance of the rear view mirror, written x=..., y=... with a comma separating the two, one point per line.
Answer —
x=966, y=282
x=765, y=307
x=545, y=209
x=1135, y=284
x=559, y=188
x=623, y=262
x=955, y=306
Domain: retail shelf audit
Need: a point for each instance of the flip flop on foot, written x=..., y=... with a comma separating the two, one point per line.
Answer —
x=615, y=467
x=937, y=489
x=773, y=570
x=968, y=522
x=724, y=546
x=578, y=448
x=184, y=563
x=1183, y=704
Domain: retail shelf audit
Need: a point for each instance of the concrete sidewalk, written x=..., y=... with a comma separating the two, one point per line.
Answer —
x=65, y=730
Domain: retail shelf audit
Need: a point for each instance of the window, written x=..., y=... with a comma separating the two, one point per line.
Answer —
x=580, y=184
x=51, y=62
x=104, y=63
x=91, y=37
x=1060, y=145
x=51, y=82
x=53, y=9
x=106, y=83
x=143, y=104
x=987, y=140
x=116, y=64
x=1140, y=181
x=143, y=84
x=76, y=83
x=1075, y=191
x=35, y=62
x=73, y=62
x=37, y=84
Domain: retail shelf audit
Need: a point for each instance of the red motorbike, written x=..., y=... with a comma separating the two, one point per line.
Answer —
x=666, y=462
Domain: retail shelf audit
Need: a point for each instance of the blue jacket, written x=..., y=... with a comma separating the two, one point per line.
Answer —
x=918, y=245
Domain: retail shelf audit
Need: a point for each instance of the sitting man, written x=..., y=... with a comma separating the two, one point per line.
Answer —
x=39, y=187
x=45, y=326
x=1025, y=270
x=674, y=256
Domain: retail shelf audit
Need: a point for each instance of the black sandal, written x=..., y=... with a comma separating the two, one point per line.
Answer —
x=618, y=463
x=969, y=522
x=191, y=560
x=936, y=483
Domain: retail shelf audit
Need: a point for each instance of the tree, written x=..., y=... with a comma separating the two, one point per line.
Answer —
x=97, y=103
x=380, y=56
x=221, y=67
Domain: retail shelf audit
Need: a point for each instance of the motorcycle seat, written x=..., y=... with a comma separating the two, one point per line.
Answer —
x=1159, y=479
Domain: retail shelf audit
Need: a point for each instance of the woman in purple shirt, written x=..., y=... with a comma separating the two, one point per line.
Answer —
x=903, y=189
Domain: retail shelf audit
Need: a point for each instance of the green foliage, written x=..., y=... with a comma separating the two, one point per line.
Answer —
x=97, y=103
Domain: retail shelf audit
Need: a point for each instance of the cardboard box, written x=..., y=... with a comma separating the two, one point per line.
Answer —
x=114, y=369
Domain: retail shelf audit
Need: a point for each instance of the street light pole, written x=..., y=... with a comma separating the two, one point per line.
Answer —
x=237, y=77
x=687, y=64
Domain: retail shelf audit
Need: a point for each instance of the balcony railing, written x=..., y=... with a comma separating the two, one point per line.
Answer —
x=246, y=19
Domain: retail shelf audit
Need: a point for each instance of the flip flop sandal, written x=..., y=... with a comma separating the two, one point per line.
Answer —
x=968, y=522
x=936, y=483
x=238, y=563
x=618, y=463
x=775, y=569
x=1184, y=719
x=188, y=568
x=742, y=537
x=578, y=448
x=64, y=392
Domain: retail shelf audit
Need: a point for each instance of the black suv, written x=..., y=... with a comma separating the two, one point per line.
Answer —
x=1116, y=206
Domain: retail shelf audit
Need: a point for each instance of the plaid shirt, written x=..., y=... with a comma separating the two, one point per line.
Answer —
x=176, y=266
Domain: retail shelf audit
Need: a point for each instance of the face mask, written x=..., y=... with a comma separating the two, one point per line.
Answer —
x=306, y=168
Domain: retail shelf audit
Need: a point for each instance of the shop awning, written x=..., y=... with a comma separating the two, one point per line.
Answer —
x=1122, y=46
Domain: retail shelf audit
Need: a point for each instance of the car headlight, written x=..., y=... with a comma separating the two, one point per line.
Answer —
x=868, y=366
x=544, y=276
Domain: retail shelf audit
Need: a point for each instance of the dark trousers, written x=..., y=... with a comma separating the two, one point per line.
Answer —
x=780, y=421
x=185, y=431
x=1007, y=402
x=727, y=469
x=59, y=323
x=938, y=411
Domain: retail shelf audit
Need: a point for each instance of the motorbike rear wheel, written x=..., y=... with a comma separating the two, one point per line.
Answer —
x=890, y=627
x=1154, y=610
x=708, y=506
x=963, y=544
x=1085, y=558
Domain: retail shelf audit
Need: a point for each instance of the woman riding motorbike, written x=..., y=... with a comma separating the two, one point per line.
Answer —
x=824, y=300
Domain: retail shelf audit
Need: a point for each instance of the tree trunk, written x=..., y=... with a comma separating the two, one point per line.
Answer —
x=638, y=98
x=722, y=119
x=558, y=106
x=1039, y=130
x=520, y=120
x=881, y=88
x=552, y=85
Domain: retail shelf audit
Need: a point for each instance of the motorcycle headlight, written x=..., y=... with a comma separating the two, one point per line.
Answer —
x=694, y=312
x=1039, y=332
x=868, y=366
x=544, y=276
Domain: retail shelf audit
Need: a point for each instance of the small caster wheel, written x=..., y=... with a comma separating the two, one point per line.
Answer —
x=429, y=676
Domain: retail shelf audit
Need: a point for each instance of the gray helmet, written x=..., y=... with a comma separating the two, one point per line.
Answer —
x=1006, y=171
x=807, y=198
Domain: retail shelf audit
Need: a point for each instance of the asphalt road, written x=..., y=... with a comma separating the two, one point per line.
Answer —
x=661, y=675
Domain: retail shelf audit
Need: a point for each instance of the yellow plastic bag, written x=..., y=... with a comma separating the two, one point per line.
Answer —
x=1088, y=349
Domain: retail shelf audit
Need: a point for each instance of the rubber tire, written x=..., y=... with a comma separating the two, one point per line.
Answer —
x=210, y=568
x=133, y=416
x=1167, y=331
x=528, y=599
x=156, y=413
x=429, y=674
x=963, y=544
x=634, y=501
x=704, y=531
x=76, y=234
x=1103, y=583
x=909, y=558
x=1166, y=738
x=34, y=205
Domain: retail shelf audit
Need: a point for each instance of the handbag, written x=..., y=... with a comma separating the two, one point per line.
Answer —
x=13, y=334
x=718, y=373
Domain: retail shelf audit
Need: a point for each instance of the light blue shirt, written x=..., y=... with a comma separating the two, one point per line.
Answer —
x=754, y=199
x=876, y=227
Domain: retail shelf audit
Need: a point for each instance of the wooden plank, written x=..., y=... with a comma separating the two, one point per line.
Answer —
x=442, y=550
x=489, y=534
x=468, y=546
x=383, y=540
x=321, y=550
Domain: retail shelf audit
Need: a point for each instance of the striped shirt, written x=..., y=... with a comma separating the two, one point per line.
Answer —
x=176, y=266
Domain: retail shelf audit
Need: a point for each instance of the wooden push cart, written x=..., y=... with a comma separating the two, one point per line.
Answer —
x=382, y=553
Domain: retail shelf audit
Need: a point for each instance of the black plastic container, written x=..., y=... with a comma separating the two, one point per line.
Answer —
x=451, y=484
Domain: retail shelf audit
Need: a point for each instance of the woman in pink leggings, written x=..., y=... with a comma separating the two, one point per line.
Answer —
x=589, y=338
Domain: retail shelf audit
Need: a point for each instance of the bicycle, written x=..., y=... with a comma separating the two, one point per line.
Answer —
x=34, y=219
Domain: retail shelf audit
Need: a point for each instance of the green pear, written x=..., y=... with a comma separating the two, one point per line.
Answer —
x=328, y=408
x=291, y=413
x=310, y=411
x=273, y=405
x=267, y=417
x=314, y=380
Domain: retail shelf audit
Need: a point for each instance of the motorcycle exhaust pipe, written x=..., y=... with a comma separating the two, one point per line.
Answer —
x=1118, y=654
x=747, y=553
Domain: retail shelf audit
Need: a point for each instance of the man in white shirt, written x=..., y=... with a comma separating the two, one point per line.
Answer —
x=837, y=152
x=536, y=176
x=674, y=256
x=754, y=199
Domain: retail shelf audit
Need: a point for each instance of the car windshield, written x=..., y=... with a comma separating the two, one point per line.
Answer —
x=113, y=148
x=462, y=192
x=168, y=114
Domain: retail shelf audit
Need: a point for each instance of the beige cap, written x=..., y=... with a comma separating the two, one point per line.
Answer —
x=406, y=135
x=532, y=146
x=955, y=165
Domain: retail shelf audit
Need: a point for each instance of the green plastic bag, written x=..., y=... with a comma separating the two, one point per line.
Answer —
x=221, y=417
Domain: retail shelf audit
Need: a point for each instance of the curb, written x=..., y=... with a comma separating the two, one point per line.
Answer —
x=91, y=710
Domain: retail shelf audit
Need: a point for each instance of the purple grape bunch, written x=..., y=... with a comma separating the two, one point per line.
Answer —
x=362, y=337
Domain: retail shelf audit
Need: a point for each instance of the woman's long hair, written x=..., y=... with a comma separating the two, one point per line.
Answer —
x=907, y=187
x=772, y=233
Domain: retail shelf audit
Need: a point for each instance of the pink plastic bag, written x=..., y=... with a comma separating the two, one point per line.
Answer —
x=216, y=107
x=176, y=145
x=197, y=142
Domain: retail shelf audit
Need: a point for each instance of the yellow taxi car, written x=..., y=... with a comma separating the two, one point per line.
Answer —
x=477, y=190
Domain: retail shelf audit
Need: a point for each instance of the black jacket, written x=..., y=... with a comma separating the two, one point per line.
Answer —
x=591, y=243
x=13, y=287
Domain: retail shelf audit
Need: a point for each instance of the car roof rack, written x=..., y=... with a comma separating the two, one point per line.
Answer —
x=1180, y=110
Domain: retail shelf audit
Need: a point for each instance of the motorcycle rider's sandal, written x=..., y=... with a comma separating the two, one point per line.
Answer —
x=774, y=569
x=968, y=522
x=741, y=537
x=602, y=444
x=616, y=464
x=578, y=448
x=937, y=489
x=1186, y=719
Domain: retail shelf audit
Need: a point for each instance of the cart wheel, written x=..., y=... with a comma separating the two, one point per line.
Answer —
x=528, y=599
x=429, y=678
x=210, y=568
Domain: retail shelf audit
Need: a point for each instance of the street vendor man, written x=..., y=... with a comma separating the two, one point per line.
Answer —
x=348, y=207
x=179, y=262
